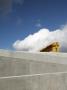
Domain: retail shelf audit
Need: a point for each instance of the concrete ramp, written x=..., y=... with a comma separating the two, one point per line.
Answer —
x=33, y=71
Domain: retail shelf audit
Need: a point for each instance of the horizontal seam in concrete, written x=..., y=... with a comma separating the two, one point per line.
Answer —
x=33, y=75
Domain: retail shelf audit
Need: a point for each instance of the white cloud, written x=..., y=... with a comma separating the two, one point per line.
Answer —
x=42, y=38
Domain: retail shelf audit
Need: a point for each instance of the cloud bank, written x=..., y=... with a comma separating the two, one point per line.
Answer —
x=42, y=38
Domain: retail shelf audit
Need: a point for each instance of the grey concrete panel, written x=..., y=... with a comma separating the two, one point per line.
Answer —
x=40, y=67
x=35, y=82
x=14, y=66
x=60, y=58
x=33, y=71
x=10, y=66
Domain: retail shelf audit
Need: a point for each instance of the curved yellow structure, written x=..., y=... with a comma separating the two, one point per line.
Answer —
x=54, y=47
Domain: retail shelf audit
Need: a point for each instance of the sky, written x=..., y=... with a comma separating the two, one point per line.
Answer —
x=20, y=18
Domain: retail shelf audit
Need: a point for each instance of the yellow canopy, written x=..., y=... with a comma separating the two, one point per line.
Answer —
x=54, y=47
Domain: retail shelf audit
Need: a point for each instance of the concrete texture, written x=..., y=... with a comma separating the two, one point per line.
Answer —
x=10, y=65
x=36, y=82
x=33, y=71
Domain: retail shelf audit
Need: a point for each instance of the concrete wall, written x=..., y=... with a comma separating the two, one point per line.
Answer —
x=33, y=71
x=54, y=81
x=22, y=63
x=12, y=66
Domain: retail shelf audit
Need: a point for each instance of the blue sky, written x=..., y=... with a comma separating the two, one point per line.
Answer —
x=19, y=18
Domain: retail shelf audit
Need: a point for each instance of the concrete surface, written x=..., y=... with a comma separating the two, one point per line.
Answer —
x=33, y=71
x=12, y=66
x=22, y=63
x=56, y=81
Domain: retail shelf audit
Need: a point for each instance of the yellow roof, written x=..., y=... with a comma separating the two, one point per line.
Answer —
x=52, y=47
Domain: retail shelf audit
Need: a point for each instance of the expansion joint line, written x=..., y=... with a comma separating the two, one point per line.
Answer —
x=33, y=75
